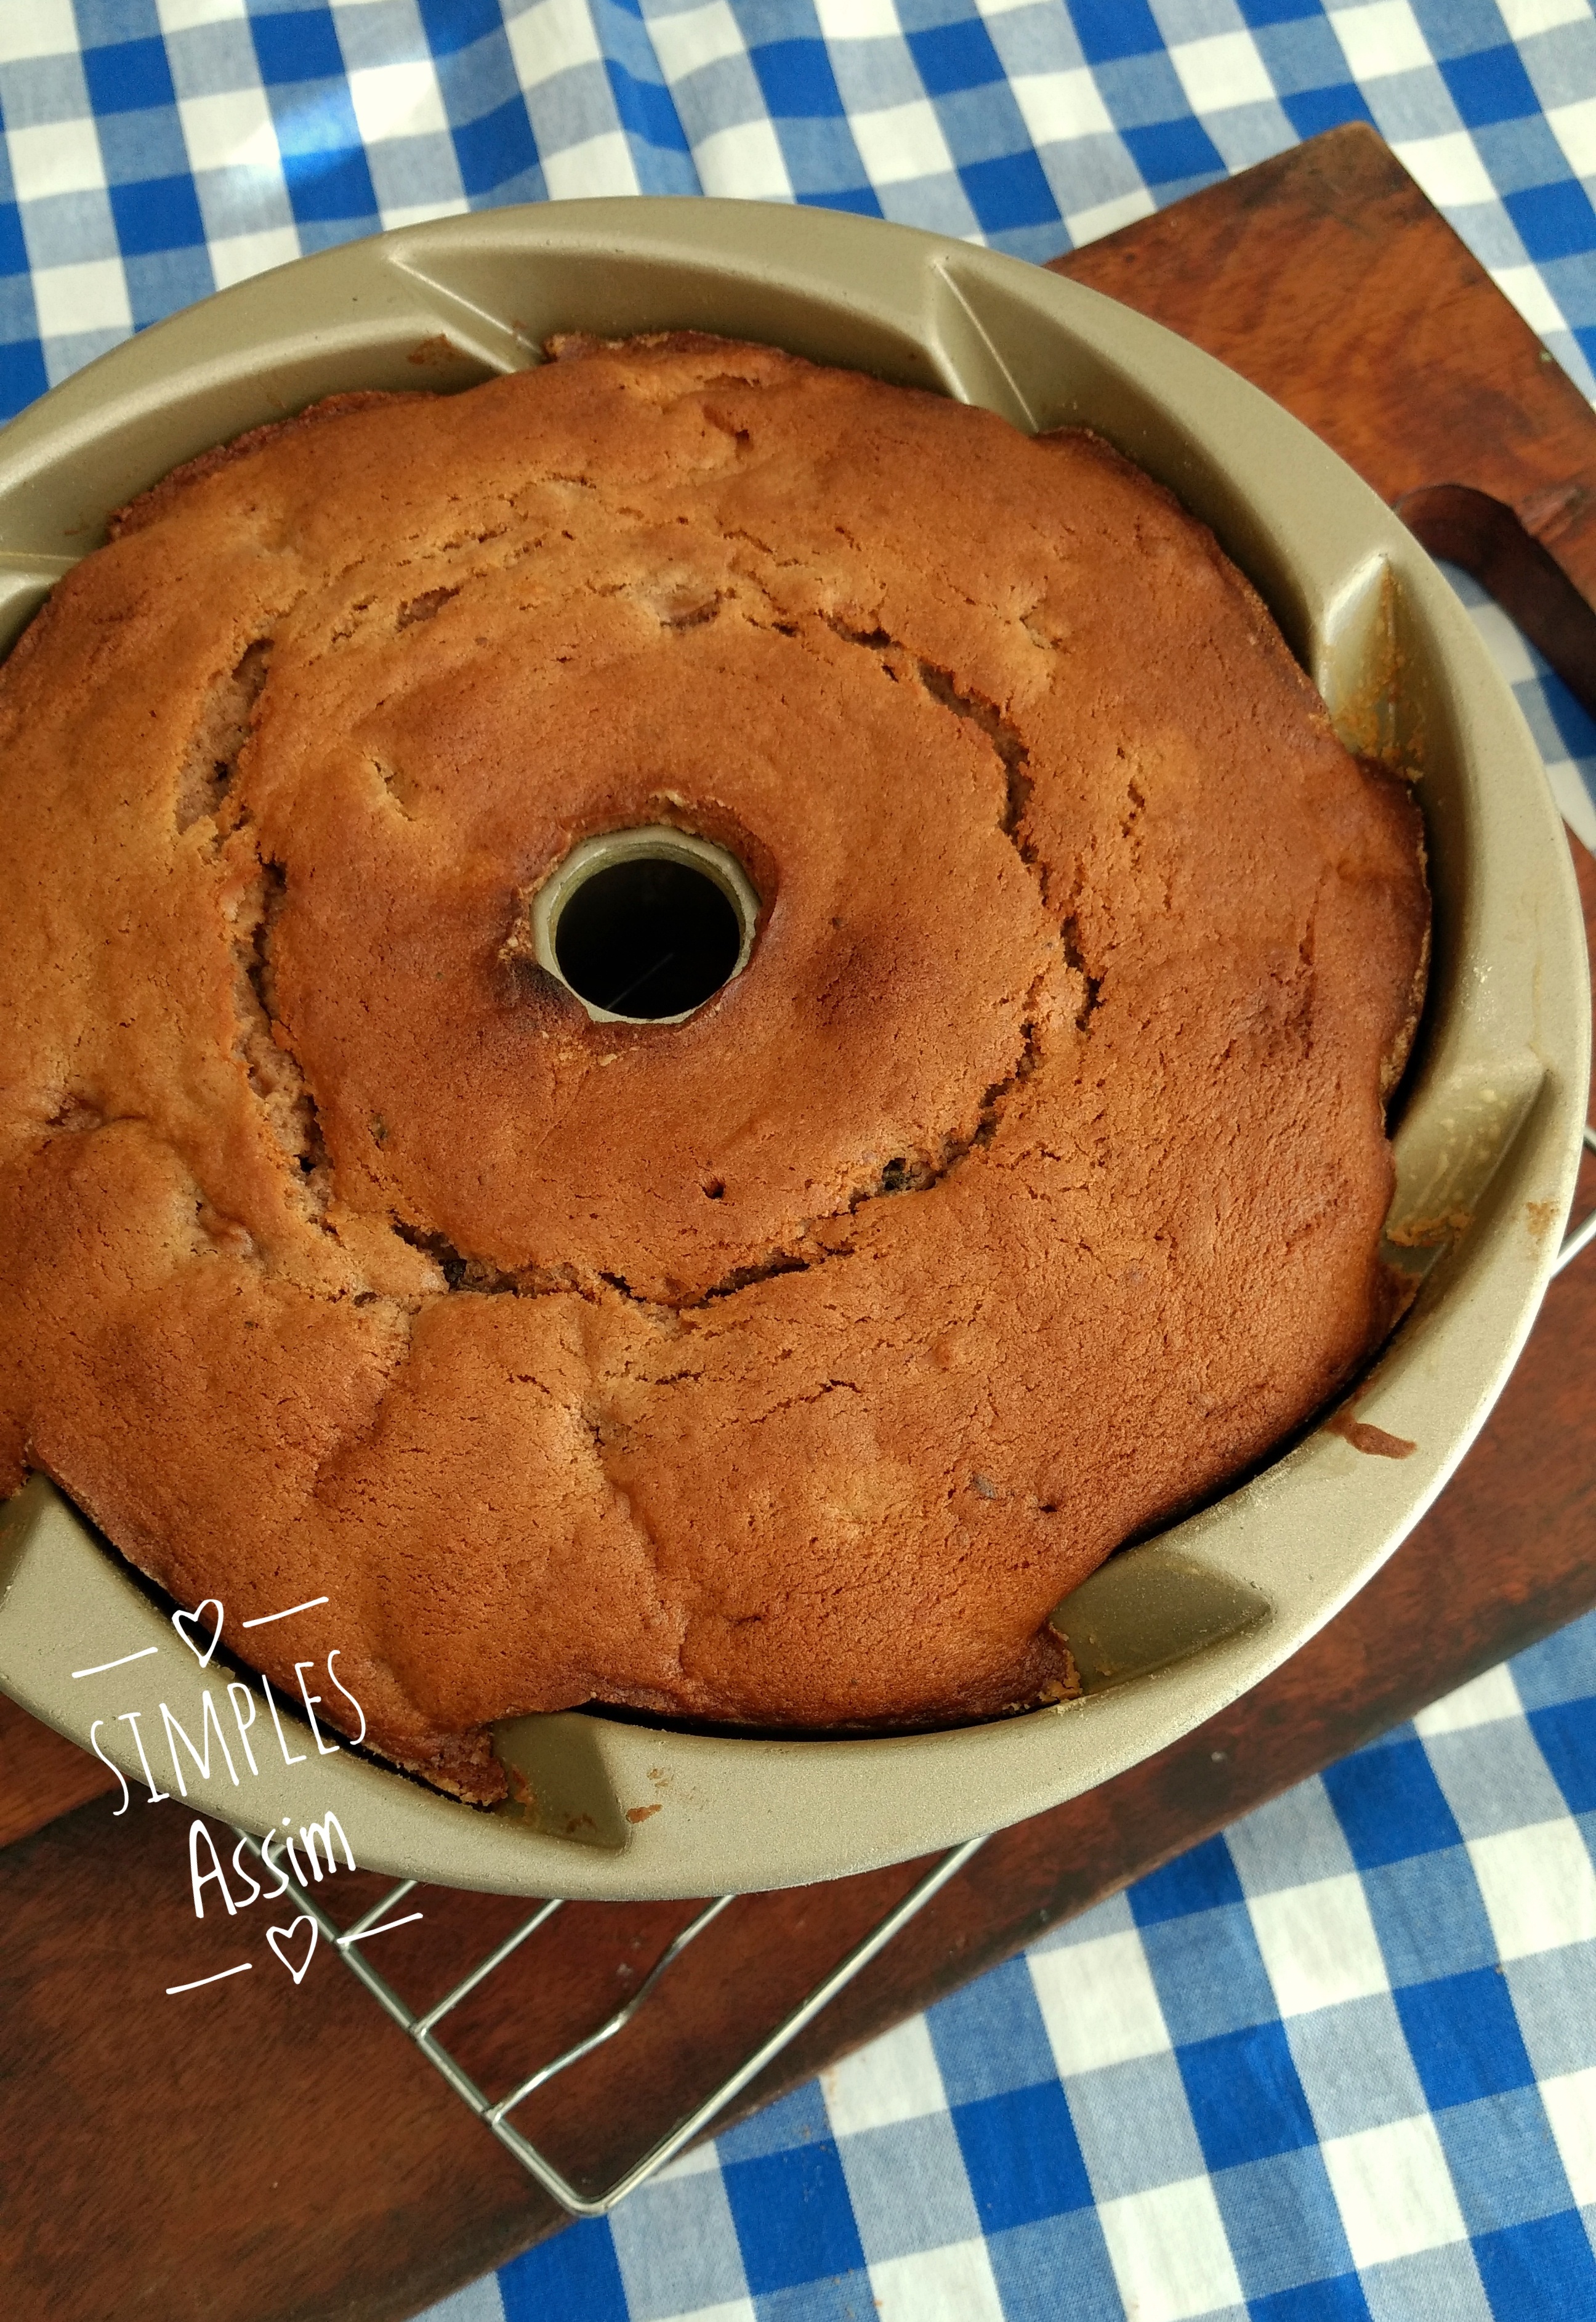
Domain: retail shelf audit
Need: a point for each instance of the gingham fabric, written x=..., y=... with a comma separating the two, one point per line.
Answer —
x=1339, y=2063
x=1565, y=731
x=1343, y=2060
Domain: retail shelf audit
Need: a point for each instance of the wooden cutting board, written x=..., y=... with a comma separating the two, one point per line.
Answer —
x=263, y=2153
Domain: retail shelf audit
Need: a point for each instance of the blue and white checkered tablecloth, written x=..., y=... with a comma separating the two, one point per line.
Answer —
x=1341, y=2061
x=157, y=149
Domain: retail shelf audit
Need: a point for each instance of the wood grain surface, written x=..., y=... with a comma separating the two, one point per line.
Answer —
x=41, y=1775
x=258, y=2152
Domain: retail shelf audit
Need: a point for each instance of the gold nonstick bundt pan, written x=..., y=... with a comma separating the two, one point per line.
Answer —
x=1166, y=1633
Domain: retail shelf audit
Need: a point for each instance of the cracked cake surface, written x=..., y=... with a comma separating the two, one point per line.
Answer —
x=786, y=1365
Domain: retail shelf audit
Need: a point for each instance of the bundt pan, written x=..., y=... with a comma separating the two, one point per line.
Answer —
x=1168, y=1632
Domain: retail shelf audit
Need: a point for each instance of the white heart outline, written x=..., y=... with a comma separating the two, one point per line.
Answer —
x=287, y=1934
x=179, y=1616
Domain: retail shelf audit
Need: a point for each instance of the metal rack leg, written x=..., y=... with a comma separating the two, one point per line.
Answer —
x=495, y=2113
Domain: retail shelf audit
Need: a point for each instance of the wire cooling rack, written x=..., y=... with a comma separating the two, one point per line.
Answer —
x=495, y=2112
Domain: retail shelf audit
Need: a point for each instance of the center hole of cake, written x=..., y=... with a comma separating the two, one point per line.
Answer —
x=644, y=926
x=647, y=939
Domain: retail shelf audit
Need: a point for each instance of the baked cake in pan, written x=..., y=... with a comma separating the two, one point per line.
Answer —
x=784, y=1365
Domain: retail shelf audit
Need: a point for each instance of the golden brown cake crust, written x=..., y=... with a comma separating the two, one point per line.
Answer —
x=787, y=1364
